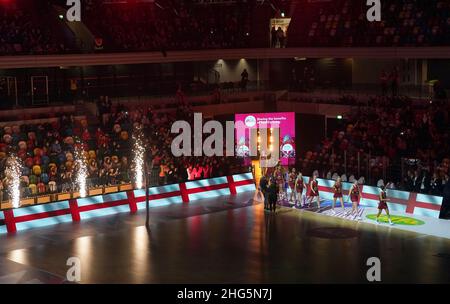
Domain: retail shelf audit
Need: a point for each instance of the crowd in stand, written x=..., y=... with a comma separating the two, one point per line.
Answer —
x=404, y=23
x=20, y=33
x=381, y=141
x=48, y=151
x=176, y=24
x=157, y=130
x=368, y=145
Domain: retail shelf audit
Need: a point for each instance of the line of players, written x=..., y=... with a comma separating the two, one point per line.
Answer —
x=294, y=181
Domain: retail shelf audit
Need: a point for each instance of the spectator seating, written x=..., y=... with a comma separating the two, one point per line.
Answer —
x=176, y=25
x=47, y=152
x=383, y=141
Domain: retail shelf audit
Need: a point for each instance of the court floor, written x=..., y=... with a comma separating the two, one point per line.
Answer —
x=420, y=224
x=223, y=240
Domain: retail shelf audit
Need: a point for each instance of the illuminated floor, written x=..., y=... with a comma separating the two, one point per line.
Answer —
x=409, y=222
x=226, y=240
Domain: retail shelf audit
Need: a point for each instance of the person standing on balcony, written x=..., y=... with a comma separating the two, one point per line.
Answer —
x=73, y=89
x=273, y=37
x=280, y=37
x=244, y=79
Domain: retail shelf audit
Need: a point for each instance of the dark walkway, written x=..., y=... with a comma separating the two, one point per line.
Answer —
x=223, y=240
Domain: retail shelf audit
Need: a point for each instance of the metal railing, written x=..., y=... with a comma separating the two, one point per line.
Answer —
x=140, y=86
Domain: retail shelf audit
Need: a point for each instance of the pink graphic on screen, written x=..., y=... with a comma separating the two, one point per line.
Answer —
x=284, y=121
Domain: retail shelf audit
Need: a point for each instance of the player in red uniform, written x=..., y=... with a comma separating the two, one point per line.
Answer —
x=299, y=186
x=382, y=205
x=338, y=193
x=355, y=196
x=314, y=191
x=291, y=182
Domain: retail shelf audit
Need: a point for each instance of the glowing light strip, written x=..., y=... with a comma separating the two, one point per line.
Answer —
x=44, y=208
x=426, y=212
x=245, y=188
x=242, y=177
x=206, y=182
x=161, y=202
x=112, y=203
x=429, y=199
x=208, y=194
x=47, y=221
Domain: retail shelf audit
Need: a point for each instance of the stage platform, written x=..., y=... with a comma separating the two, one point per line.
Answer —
x=227, y=239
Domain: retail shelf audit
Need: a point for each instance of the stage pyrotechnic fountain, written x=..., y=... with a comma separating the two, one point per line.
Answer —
x=82, y=172
x=138, y=157
x=13, y=171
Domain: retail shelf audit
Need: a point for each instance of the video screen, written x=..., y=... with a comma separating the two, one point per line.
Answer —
x=281, y=123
